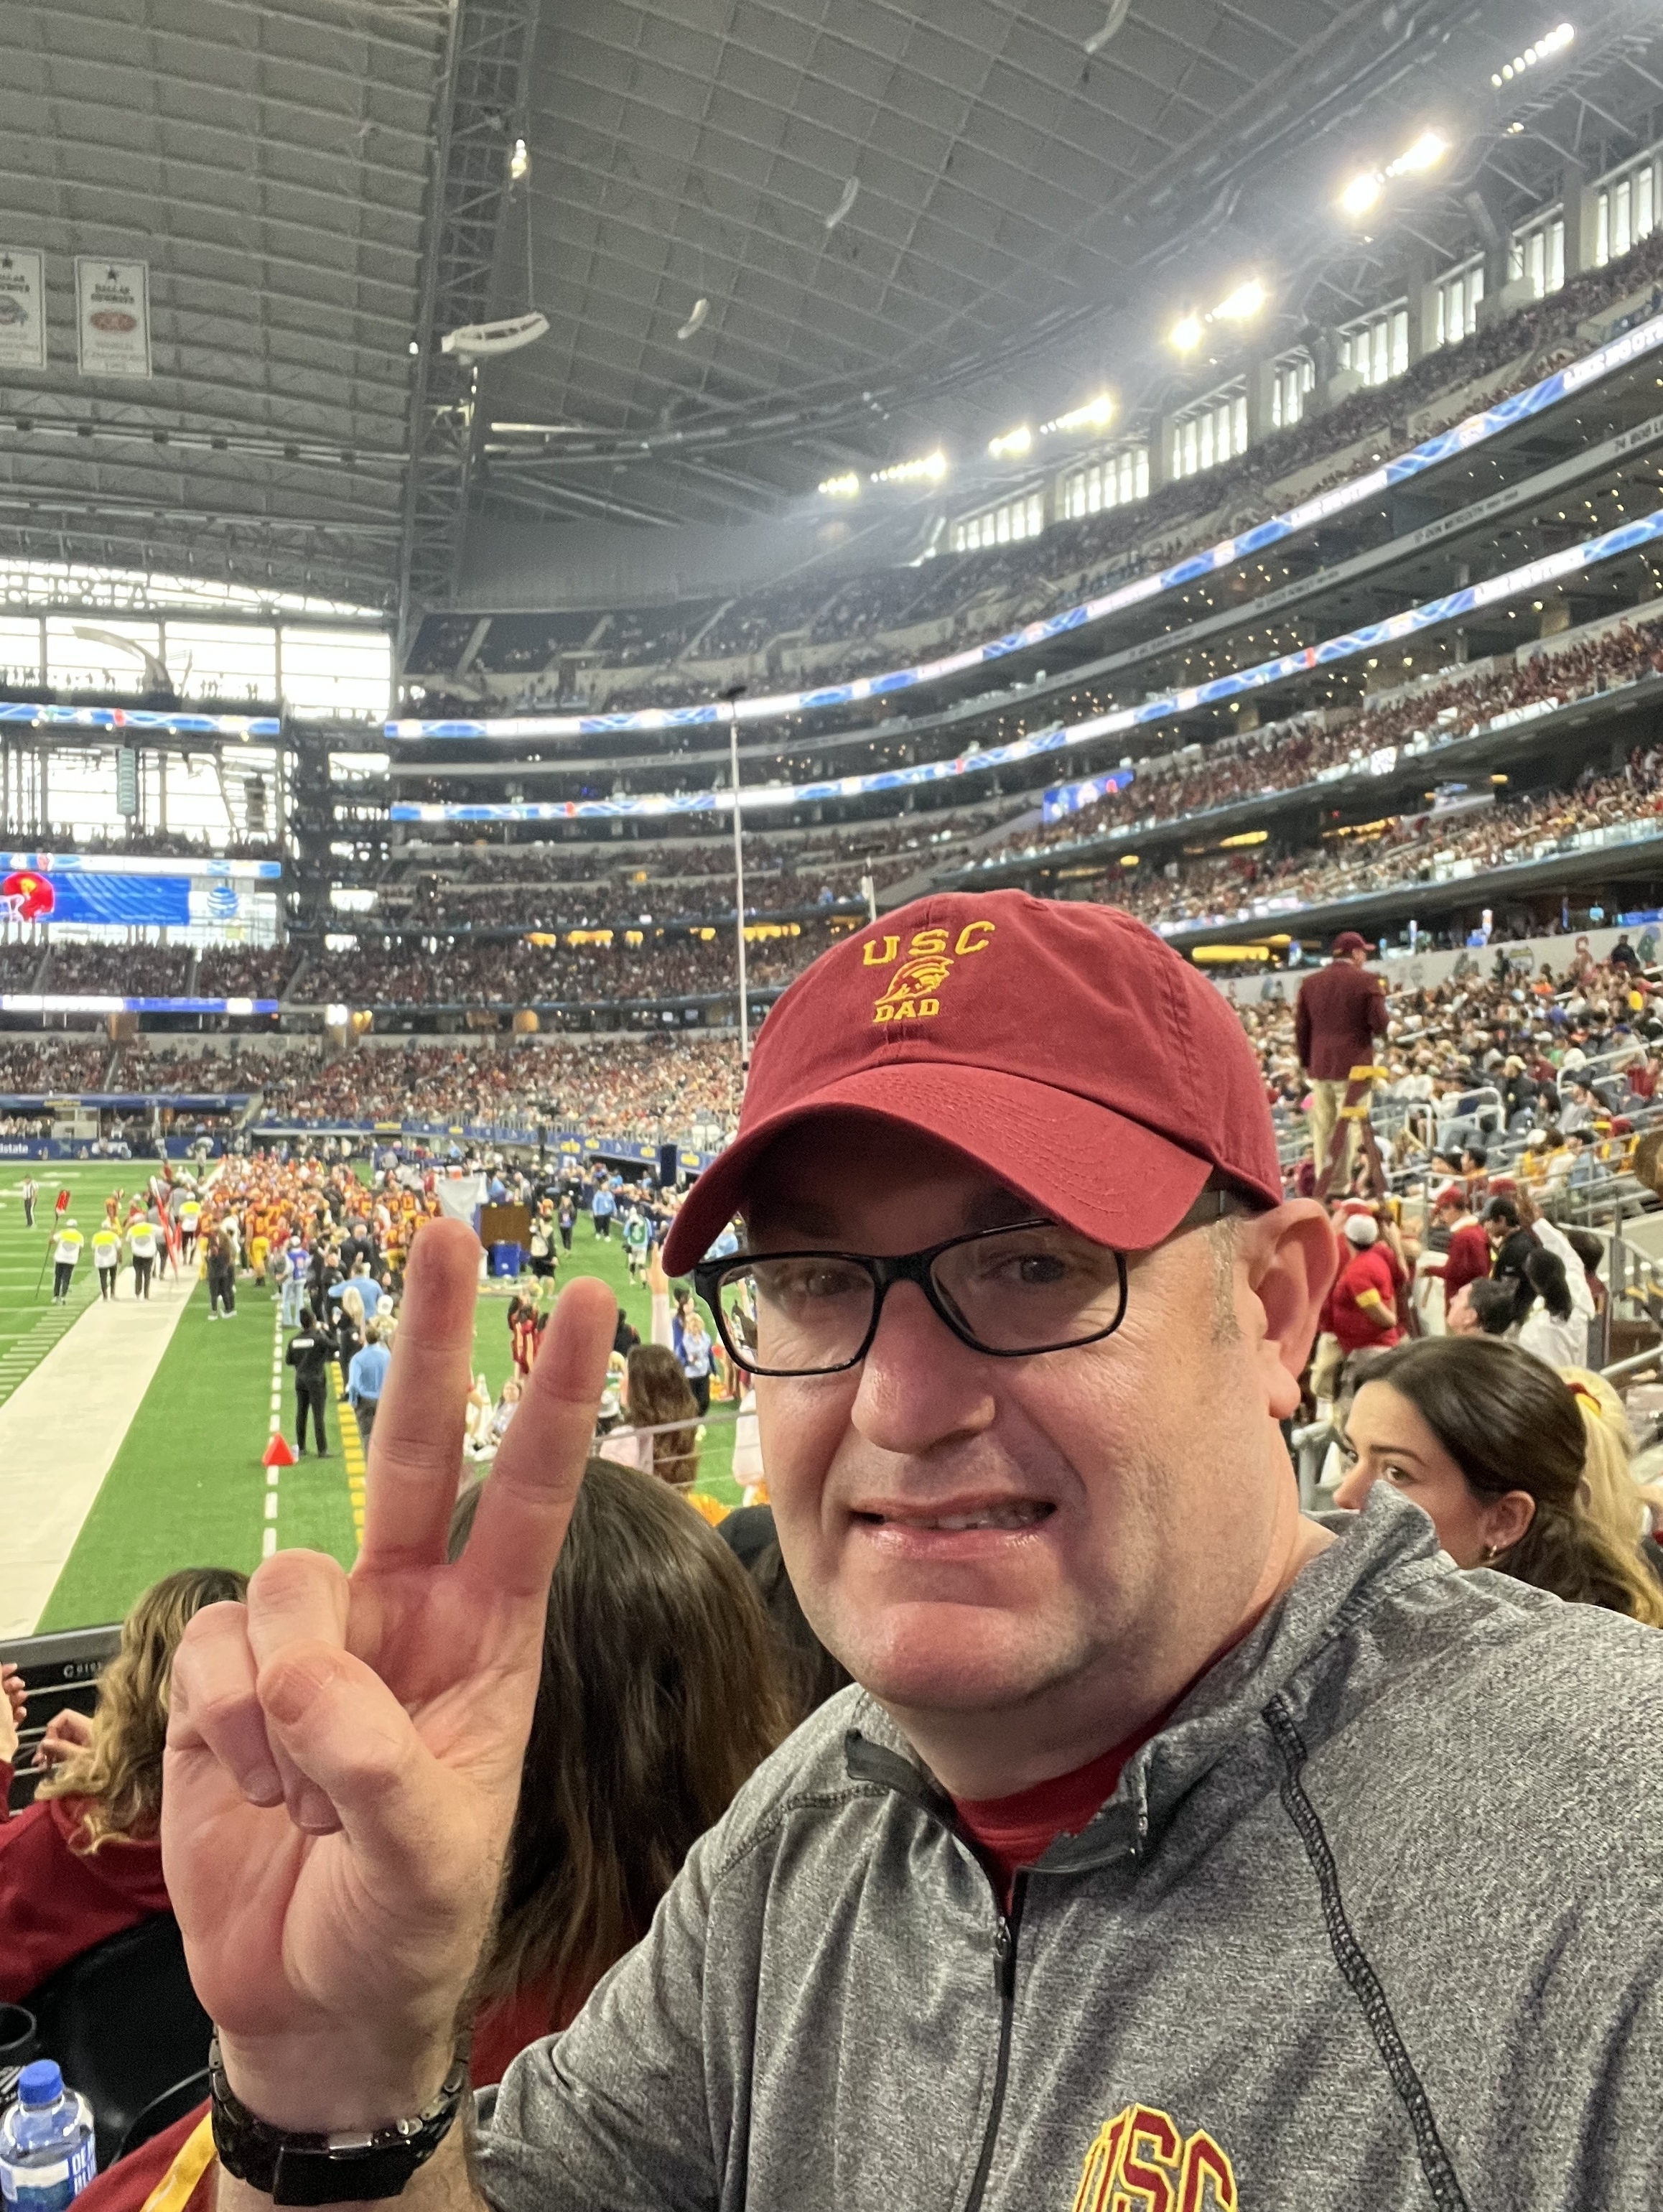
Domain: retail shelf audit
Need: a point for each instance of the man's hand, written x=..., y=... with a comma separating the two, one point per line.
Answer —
x=344, y=1753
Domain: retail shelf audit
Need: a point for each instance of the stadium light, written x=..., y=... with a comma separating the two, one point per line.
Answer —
x=520, y=162
x=1096, y=414
x=1243, y=304
x=1544, y=50
x=1428, y=150
x=844, y=486
x=1011, y=444
x=1362, y=194
x=928, y=468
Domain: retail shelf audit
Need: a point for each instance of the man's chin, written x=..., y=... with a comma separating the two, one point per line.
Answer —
x=958, y=1660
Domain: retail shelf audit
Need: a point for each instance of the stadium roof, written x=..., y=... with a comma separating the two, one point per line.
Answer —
x=907, y=220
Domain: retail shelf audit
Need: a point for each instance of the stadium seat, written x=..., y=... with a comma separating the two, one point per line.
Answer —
x=163, y=2110
x=124, y=2023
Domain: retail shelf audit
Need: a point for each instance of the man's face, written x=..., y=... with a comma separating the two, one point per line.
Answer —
x=968, y=1532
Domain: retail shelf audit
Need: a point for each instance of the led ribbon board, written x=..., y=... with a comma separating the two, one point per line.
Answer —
x=1431, y=615
x=132, y=717
x=1460, y=438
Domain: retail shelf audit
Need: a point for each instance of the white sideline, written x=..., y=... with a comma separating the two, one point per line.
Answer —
x=59, y=1433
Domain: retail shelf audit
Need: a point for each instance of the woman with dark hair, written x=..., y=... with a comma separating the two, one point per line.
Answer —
x=84, y=1861
x=660, y=1693
x=1552, y=1331
x=1489, y=1444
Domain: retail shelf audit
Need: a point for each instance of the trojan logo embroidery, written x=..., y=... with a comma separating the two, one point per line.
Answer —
x=1140, y=2162
x=915, y=992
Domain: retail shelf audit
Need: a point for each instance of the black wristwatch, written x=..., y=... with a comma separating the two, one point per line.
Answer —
x=354, y=2166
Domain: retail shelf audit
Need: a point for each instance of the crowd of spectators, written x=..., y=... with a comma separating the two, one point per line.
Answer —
x=646, y=1088
x=1408, y=850
x=43, y=1064
x=519, y=973
x=985, y=592
x=1288, y=755
x=244, y=971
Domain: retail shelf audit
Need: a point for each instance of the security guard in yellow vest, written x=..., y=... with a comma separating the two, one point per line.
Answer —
x=65, y=1252
x=106, y=1256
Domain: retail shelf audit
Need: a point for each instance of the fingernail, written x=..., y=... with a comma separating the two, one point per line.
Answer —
x=263, y=1785
x=314, y=1813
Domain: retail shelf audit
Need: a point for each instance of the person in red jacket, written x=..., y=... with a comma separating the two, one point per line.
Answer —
x=84, y=1861
x=1468, y=1259
x=1339, y=1013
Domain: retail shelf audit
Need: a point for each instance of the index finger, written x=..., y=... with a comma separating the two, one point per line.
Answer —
x=527, y=1500
x=415, y=1447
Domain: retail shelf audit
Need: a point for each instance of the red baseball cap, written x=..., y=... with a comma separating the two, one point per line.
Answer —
x=1061, y=1045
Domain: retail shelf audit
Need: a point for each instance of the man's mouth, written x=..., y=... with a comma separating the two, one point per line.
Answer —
x=1017, y=1513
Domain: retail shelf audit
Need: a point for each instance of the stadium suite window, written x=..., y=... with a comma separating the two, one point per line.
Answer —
x=1291, y=381
x=1210, y=433
x=1459, y=296
x=1626, y=210
x=1114, y=481
x=1538, y=255
x=1377, y=348
x=1009, y=522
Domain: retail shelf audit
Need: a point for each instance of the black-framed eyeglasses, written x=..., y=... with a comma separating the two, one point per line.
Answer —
x=1013, y=1293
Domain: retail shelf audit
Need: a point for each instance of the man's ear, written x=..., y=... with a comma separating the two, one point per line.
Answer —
x=1291, y=1256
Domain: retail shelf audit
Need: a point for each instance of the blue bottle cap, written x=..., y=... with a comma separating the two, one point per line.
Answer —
x=40, y=2083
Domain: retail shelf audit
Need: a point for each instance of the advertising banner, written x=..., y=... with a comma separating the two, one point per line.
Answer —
x=71, y=889
x=23, y=308
x=112, y=317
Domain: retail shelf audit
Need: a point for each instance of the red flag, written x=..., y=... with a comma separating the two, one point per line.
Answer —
x=62, y=1202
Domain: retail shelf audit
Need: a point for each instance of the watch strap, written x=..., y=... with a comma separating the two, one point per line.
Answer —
x=353, y=2165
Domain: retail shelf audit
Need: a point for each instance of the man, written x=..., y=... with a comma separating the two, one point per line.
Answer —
x=106, y=1255
x=1362, y=1305
x=637, y=1237
x=309, y=1354
x=365, y=1378
x=1339, y=1013
x=1467, y=1258
x=31, y=1192
x=602, y=1207
x=189, y=1227
x=66, y=1251
x=1140, y=1865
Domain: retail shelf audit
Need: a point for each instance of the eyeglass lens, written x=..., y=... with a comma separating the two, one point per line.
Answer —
x=1018, y=1290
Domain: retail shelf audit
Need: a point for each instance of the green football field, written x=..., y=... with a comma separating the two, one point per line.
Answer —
x=188, y=1486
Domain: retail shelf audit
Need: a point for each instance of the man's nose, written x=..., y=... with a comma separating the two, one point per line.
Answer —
x=919, y=1385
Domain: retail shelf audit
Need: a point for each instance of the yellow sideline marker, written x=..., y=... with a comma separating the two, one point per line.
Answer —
x=352, y=1452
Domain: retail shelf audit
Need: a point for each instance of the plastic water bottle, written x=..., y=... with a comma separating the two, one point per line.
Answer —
x=47, y=2153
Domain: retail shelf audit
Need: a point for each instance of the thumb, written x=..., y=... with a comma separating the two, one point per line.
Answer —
x=401, y=1809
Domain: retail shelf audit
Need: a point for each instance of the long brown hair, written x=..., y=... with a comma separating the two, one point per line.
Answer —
x=659, y=1393
x=1509, y=1423
x=119, y=1772
x=659, y=1694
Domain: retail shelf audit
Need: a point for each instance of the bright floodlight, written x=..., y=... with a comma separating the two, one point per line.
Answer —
x=1545, y=49
x=1096, y=414
x=520, y=160
x=1428, y=150
x=845, y=487
x=1243, y=304
x=1186, y=333
x=1361, y=193
x=929, y=468
x=1012, y=444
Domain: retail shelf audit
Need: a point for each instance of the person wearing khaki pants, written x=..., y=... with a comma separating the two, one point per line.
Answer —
x=1339, y=1013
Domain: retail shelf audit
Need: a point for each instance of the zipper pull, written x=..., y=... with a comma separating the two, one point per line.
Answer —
x=1004, y=1960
